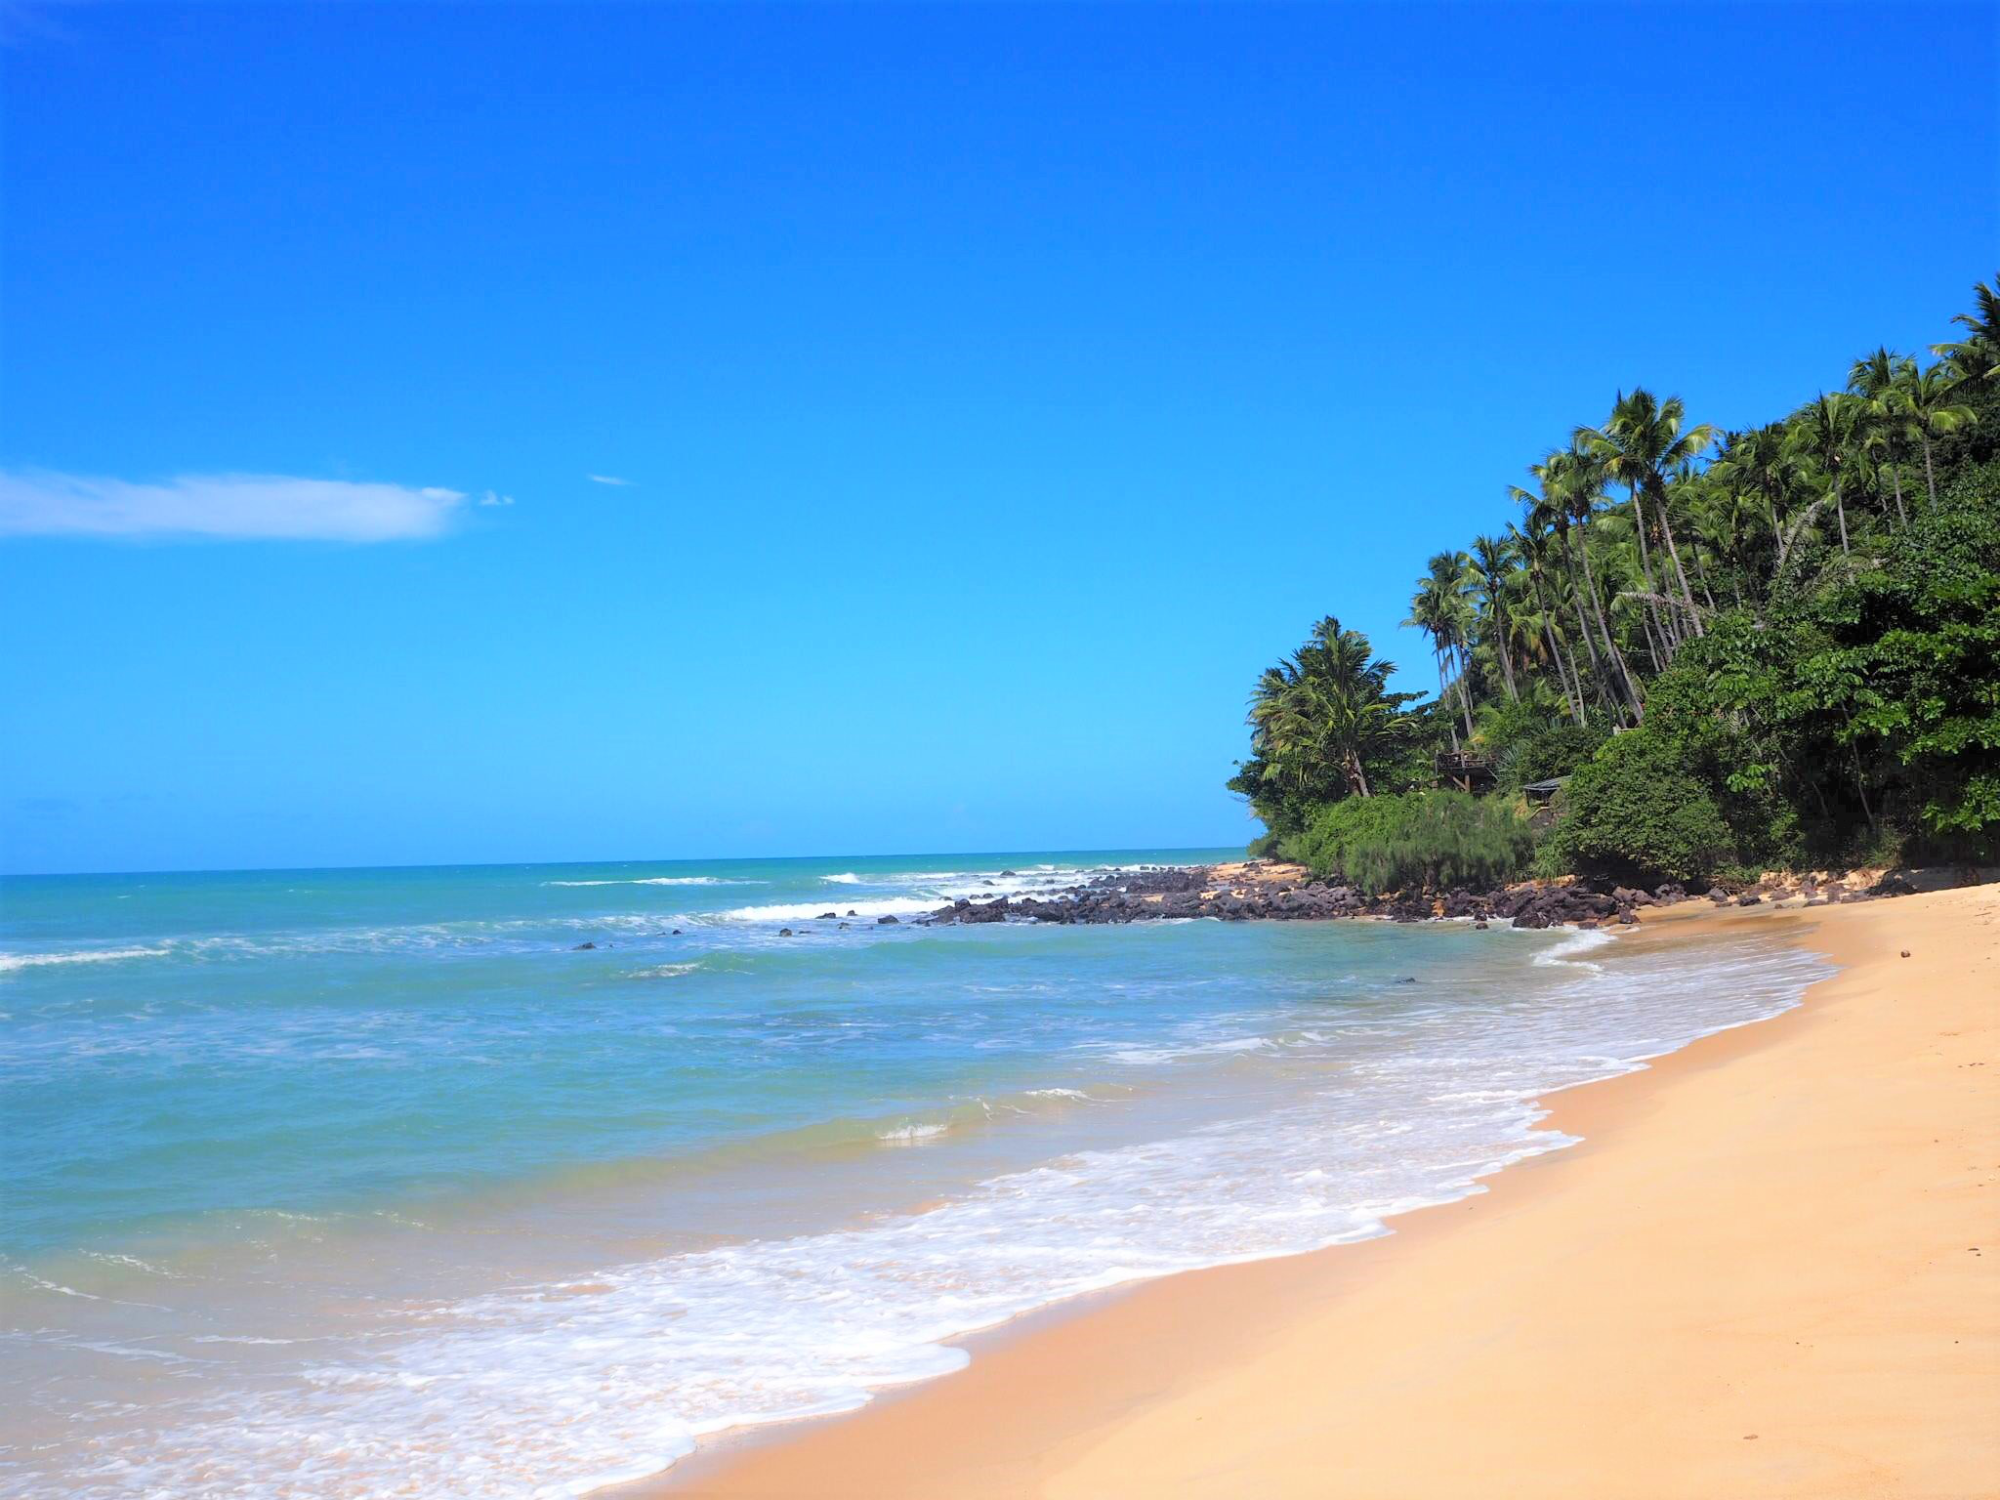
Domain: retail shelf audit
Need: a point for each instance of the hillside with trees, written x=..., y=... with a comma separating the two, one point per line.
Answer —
x=1770, y=648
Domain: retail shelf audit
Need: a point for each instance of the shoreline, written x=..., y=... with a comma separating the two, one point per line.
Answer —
x=1100, y=1395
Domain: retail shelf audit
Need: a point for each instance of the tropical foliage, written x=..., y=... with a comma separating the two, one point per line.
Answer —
x=1414, y=840
x=1771, y=645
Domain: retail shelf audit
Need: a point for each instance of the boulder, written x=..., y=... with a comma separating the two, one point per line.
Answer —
x=885, y=921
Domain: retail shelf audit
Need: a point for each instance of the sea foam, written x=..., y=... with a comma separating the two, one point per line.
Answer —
x=546, y=1390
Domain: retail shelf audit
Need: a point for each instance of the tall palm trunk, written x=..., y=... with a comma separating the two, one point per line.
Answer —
x=1607, y=685
x=1896, y=483
x=1638, y=704
x=1597, y=671
x=1572, y=681
x=1777, y=528
x=1645, y=558
x=1840, y=509
x=1444, y=693
x=1506, y=656
x=1565, y=670
x=1701, y=576
x=1930, y=474
x=1673, y=552
x=1465, y=687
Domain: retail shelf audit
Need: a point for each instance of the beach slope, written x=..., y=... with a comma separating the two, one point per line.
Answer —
x=1772, y=1269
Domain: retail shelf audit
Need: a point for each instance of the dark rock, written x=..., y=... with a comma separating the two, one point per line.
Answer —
x=1004, y=874
x=852, y=912
x=675, y=933
x=1893, y=884
x=1749, y=898
x=885, y=921
x=784, y=932
x=826, y=916
x=1481, y=925
x=583, y=947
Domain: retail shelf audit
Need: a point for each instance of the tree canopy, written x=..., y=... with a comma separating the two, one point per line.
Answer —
x=1771, y=645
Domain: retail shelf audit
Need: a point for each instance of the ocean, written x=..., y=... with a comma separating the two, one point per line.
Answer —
x=327, y=1183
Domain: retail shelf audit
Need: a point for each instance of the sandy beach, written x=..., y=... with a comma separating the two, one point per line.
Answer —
x=1771, y=1269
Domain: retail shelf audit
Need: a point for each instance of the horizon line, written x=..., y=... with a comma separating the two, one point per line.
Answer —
x=503, y=864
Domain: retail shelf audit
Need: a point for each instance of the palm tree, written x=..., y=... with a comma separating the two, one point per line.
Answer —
x=1725, y=516
x=1876, y=378
x=1927, y=396
x=1570, y=482
x=1492, y=561
x=1644, y=441
x=1974, y=360
x=1438, y=609
x=1822, y=432
x=1324, y=709
x=1757, y=461
x=1531, y=542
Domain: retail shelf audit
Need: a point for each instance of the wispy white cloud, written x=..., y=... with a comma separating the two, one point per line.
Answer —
x=232, y=506
x=489, y=498
x=608, y=479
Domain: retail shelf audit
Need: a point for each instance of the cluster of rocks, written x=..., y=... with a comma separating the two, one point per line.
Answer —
x=1129, y=896
x=1195, y=891
x=1159, y=895
x=1811, y=890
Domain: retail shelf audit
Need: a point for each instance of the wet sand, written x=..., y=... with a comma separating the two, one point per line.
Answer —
x=1771, y=1269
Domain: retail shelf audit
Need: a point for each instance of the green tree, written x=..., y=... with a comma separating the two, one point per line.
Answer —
x=1930, y=397
x=1635, y=812
x=1645, y=441
x=1975, y=359
x=1440, y=609
x=1885, y=419
x=1492, y=565
x=1318, y=717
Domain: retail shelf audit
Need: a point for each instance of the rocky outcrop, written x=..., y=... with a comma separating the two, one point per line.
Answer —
x=1184, y=893
x=1253, y=892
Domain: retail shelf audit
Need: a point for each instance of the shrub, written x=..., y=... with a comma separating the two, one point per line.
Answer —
x=1555, y=750
x=1415, y=841
x=1636, y=812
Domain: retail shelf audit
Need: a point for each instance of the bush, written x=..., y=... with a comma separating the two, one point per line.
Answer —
x=1415, y=841
x=1556, y=750
x=1635, y=812
x=1264, y=846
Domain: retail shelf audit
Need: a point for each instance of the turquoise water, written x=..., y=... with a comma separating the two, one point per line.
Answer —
x=360, y=1182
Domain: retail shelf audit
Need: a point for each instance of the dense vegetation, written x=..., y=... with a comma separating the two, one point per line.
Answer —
x=1774, y=647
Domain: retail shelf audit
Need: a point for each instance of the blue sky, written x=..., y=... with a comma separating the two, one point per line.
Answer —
x=997, y=389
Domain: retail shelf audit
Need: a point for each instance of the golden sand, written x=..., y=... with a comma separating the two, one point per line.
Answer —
x=1772, y=1269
